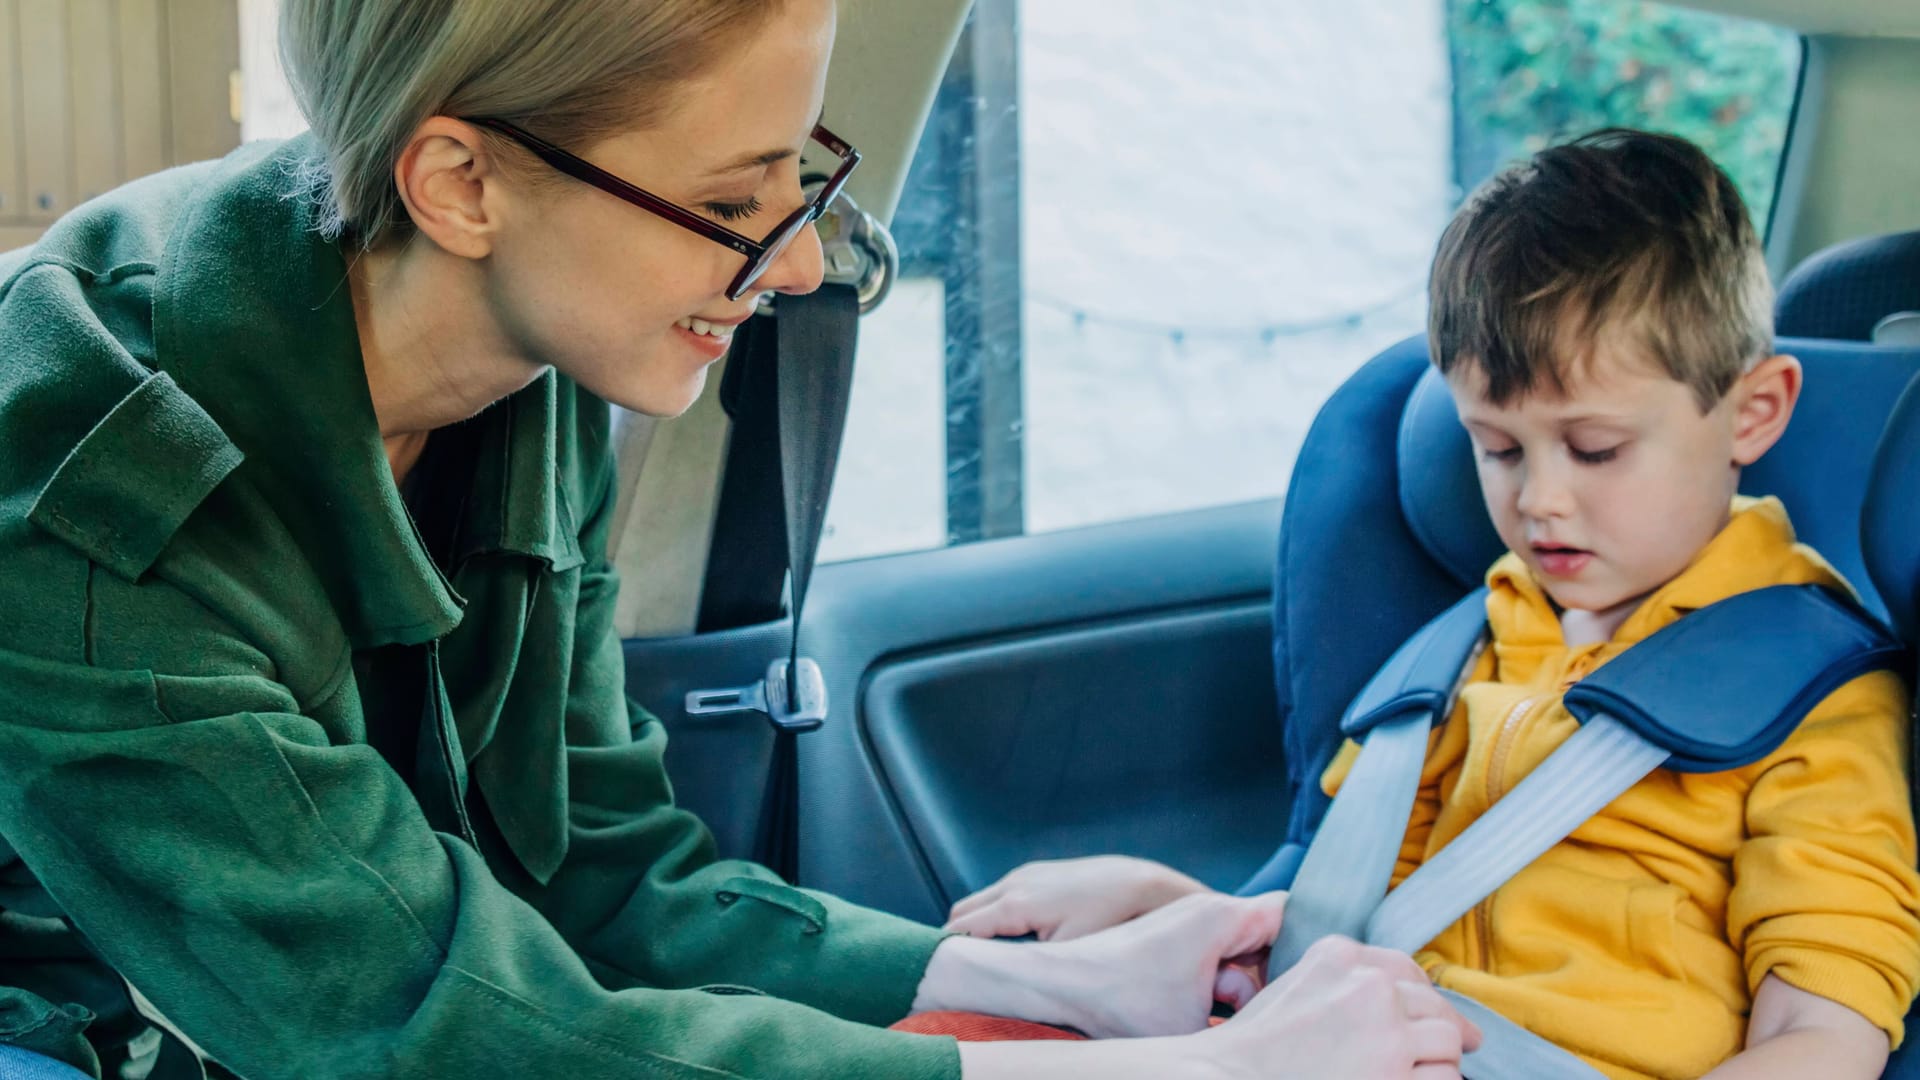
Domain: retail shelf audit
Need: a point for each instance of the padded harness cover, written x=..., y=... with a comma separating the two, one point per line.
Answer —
x=1696, y=688
x=1725, y=686
x=1422, y=675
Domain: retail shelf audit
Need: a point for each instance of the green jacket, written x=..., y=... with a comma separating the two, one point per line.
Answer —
x=325, y=809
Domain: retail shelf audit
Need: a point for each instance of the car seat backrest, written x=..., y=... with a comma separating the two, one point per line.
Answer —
x=1844, y=291
x=1352, y=581
x=1384, y=526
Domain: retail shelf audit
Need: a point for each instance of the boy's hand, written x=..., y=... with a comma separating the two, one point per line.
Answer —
x=1070, y=898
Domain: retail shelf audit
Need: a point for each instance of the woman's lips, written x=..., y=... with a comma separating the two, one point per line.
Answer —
x=713, y=348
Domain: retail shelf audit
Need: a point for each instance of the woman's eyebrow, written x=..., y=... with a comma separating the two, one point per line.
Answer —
x=766, y=157
x=753, y=161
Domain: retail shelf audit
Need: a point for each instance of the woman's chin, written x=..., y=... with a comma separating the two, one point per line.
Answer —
x=654, y=399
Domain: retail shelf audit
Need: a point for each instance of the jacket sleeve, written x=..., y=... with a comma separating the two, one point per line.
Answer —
x=641, y=893
x=280, y=900
x=1825, y=894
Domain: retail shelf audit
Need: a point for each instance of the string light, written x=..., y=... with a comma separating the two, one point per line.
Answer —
x=1266, y=333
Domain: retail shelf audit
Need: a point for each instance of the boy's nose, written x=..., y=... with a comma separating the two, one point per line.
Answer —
x=1545, y=494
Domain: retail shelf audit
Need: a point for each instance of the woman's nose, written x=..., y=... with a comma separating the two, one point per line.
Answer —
x=799, y=269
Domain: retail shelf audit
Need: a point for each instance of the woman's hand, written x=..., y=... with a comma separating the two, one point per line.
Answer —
x=1070, y=898
x=1156, y=975
x=1161, y=973
x=1346, y=1010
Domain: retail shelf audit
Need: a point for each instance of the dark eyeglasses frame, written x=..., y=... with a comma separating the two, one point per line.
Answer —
x=760, y=253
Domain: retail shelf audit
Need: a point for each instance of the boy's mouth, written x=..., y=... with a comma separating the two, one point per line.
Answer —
x=1559, y=560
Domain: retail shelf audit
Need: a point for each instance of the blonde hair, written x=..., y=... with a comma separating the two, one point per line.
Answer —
x=367, y=73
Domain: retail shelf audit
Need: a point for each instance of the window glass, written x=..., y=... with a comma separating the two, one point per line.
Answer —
x=1142, y=242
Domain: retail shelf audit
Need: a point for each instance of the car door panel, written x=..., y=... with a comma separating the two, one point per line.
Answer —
x=1100, y=689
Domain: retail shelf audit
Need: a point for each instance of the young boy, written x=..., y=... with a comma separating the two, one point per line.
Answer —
x=1602, y=315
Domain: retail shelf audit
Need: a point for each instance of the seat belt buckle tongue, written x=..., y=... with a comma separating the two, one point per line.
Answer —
x=805, y=711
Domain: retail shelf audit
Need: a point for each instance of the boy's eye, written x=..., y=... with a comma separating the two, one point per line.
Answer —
x=734, y=211
x=1595, y=457
x=1506, y=456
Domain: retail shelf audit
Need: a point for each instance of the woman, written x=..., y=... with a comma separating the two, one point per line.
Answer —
x=311, y=711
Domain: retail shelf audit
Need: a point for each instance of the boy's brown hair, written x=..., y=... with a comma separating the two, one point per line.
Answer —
x=1616, y=231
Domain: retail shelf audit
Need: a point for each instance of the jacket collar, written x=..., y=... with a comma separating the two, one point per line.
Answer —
x=254, y=319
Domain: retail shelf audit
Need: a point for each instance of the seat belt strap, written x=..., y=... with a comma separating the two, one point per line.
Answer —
x=817, y=335
x=1347, y=869
x=747, y=562
x=789, y=408
x=1511, y=1052
x=1591, y=769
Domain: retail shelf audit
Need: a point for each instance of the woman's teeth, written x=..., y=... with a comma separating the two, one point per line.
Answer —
x=702, y=326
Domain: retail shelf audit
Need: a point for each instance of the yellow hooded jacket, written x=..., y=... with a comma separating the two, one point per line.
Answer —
x=1639, y=941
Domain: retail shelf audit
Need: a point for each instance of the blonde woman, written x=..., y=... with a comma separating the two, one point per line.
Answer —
x=314, y=756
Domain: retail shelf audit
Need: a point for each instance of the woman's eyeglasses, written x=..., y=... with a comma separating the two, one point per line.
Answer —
x=760, y=253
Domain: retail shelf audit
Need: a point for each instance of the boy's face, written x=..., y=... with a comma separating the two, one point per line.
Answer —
x=1610, y=490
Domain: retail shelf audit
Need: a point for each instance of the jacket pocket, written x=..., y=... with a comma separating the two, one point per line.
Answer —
x=812, y=913
x=1653, y=919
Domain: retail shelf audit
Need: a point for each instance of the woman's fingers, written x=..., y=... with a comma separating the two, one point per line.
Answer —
x=1397, y=964
x=1249, y=924
x=1424, y=1004
x=1350, y=1010
x=992, y=922
x=1435, y=1040
x=970, y=904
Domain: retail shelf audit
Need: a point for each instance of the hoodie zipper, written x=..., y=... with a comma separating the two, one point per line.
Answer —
x=1481, y=929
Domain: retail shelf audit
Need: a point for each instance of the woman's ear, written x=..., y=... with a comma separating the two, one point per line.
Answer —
x=1763, y=404
x=451, y=186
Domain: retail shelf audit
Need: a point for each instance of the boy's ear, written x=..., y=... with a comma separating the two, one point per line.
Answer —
x=1763, y=403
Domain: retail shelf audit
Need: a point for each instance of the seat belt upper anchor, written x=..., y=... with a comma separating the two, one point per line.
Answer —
x=797, y=708
x=856, y=248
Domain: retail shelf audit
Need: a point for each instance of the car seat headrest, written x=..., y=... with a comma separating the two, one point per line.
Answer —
x=1844, y=291
x=1820, y=470
x=1439, y=488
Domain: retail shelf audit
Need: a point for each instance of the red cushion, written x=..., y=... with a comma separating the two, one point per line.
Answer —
x=976, y=1027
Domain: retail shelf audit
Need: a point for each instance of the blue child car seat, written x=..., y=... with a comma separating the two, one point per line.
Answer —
x=1384, y=528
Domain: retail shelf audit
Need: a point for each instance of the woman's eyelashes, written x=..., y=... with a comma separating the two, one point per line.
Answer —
x=735, y=211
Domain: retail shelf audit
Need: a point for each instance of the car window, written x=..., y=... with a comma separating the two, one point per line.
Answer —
x=1141, y=243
